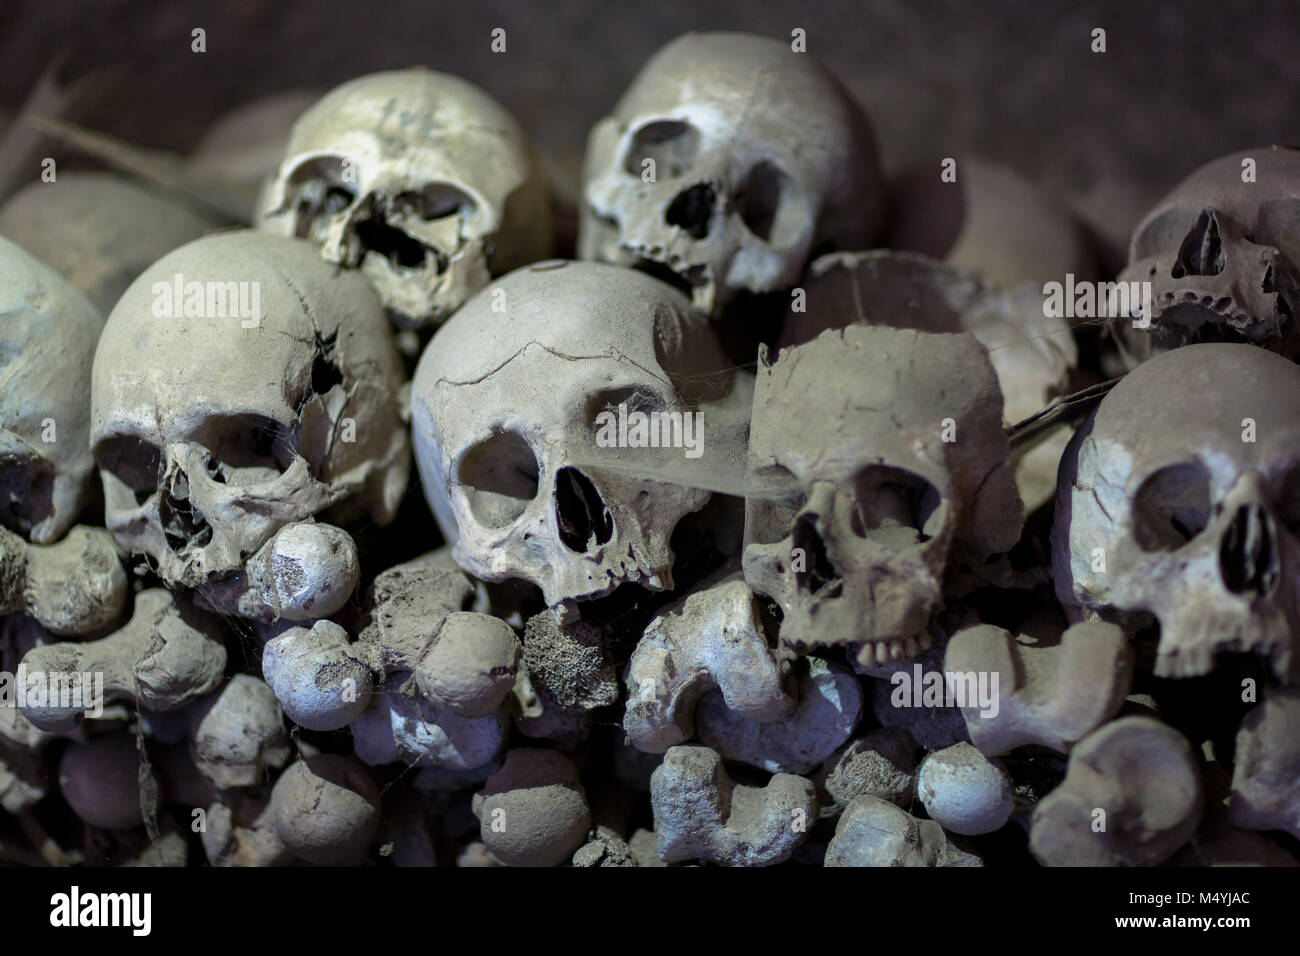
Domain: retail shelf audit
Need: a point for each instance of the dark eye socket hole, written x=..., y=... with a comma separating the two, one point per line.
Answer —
x=772, y=205
x=672, y=144
x=1171, y=507
x=246, y=441
x=131, y=460
x=26, y=493
x=894, y=498
x=320, y=191
x=636, y=398
x=499, y=478
x=773, y=504
x=437, y=201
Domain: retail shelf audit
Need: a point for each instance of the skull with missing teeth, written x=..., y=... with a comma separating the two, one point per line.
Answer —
x=893, y=442
x=215, y=426
x=420, y=180
x=727, y=163
x=507, y=405
x=47, y=342
x=1221, y=253
x=1181, y=498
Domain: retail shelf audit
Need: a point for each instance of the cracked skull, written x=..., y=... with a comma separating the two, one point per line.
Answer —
x=1222, y=254
x=215, y=426
x=48, y=332
x=893, y=439
x=1180, y=498
x=727, y=163
x=418, y=179
x=506, y=407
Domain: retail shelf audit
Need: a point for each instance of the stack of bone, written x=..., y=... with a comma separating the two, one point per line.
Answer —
x=553, y=642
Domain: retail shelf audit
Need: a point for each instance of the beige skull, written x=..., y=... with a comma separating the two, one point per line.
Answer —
x=418, y=179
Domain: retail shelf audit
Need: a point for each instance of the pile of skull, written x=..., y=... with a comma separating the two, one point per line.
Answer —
x=741, y=560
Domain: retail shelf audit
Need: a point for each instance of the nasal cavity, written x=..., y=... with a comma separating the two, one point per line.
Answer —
x=584, y=521
x=813, y=569
x=1201, y=253
x=182, y=525
x=1248, y=558
x=692, y=210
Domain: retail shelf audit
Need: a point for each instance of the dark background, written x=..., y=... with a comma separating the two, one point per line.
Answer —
x=1013, y=81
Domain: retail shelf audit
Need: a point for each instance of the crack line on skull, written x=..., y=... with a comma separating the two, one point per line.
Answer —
x=612, y=354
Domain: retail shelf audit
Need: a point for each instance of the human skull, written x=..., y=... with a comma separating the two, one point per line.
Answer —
x=1221, y=253
x=893, y=442
x=418, y=179
x=726, y=164
x=48, y=332
x=214, y=432
x=505, y=406
x=1180, y=497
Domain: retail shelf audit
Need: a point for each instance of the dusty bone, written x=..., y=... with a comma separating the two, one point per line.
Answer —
x=417, y=179
x=100, y=230
x=505, y=407
x=241, y=832
x=568, y=663
x=318, y=676
x=964, y=791
x=533, y=811
x=829, y=705
x=700, y=813
x=1266, y=773
x=740, y=193
x=880, y=764
x=164, y=657
x=869, y=501
x=1052, y=695
x=399, y=725
x=306, y=571
x=464, y=662
x=241, y=734
x=325, y=809
x=606, y=848
x=711, y=638
x=874, y=832
x=300, y=415
x=1137, y=775
x=1222, y=256
x=1163, y=508
x=1032, y=354
x=74, y=587
x=48, y=336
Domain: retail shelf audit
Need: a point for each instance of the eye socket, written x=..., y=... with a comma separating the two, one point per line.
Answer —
x=320, y=189
x=888, y=498
x=26, y=492
x=437, y=201
x=772, y=205
x=246, y=441
x=131, y=460
x=672, y=144
x=774, y=504
x=636, y=398
x=1171, y=507
x=499, y=478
